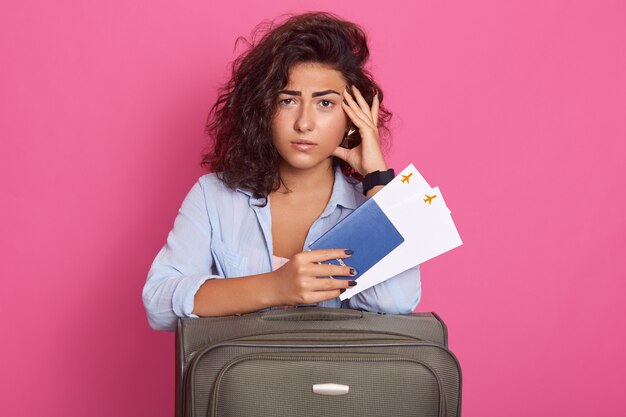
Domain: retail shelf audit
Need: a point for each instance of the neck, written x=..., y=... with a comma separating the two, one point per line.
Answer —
x=314, y=179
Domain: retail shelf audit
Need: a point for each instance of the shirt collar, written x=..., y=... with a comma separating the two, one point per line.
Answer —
x=344, y=194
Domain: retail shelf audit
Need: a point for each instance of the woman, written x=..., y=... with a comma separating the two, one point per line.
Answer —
x=298, y=119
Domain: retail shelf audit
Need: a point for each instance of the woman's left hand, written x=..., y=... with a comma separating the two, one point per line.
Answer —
x=367, y=156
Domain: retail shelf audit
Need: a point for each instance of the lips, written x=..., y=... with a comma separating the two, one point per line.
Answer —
x=303, y=144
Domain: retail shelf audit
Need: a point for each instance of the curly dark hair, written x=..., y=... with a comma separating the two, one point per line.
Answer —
x=239, y=123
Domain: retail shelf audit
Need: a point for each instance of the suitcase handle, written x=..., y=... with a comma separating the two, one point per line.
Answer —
x=313, y=314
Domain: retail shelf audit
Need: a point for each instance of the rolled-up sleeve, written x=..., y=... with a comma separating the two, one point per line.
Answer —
x=398, y=295
x=181, y=266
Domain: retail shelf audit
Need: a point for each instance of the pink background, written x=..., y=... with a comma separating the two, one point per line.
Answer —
x=515, y=109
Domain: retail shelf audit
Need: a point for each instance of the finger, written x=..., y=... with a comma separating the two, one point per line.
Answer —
x=361, y=100
x=354, y=106
x=327, y=284
x=361, y=122
x=332, y=270
x=320, y=255
x=366, y=129
x=319, y=296
x=375, y=107
x=341, y=153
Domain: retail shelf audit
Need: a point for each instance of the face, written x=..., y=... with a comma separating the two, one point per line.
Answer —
x=309, y=122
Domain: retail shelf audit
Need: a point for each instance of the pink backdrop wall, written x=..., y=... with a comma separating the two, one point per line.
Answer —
x=515, y=109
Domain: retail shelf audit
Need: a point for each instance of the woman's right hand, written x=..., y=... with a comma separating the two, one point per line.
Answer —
x=303, y=280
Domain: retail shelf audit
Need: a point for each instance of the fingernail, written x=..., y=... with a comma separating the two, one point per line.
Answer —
x=341, y=291
x=352, y=271
x=349, y=252
x=352, y=283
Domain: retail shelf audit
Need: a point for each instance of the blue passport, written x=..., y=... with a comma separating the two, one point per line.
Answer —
x=368, y=232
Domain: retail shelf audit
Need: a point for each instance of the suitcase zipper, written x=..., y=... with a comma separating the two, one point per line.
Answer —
x=295, y=337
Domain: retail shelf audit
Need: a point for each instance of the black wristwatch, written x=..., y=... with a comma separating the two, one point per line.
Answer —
x=375, y=178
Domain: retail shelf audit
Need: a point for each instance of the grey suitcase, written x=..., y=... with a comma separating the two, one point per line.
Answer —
x=316, y=362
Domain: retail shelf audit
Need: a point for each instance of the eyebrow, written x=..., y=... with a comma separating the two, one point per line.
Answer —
x=315, y=94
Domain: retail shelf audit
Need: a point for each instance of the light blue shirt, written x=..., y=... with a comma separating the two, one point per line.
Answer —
x=220, y=233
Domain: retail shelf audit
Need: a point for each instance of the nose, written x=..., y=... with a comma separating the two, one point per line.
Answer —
x=305, y=121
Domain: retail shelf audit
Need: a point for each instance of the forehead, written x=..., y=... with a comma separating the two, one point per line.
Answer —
x=314, y=76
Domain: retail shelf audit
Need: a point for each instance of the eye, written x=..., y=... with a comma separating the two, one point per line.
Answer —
x=327, y=104
x=284, y=101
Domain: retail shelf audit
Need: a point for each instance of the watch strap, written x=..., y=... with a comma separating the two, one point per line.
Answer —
x=375, y=178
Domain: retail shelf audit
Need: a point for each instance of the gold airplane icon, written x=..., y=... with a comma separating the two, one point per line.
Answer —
x=429, y=198
x=405, y=178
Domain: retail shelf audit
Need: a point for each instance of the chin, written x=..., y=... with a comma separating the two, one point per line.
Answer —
x=307, y=163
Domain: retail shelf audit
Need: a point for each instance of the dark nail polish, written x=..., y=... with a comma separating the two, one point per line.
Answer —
x=349, y=252
x=352, y=283
x=341, y=291
x=352, y=271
